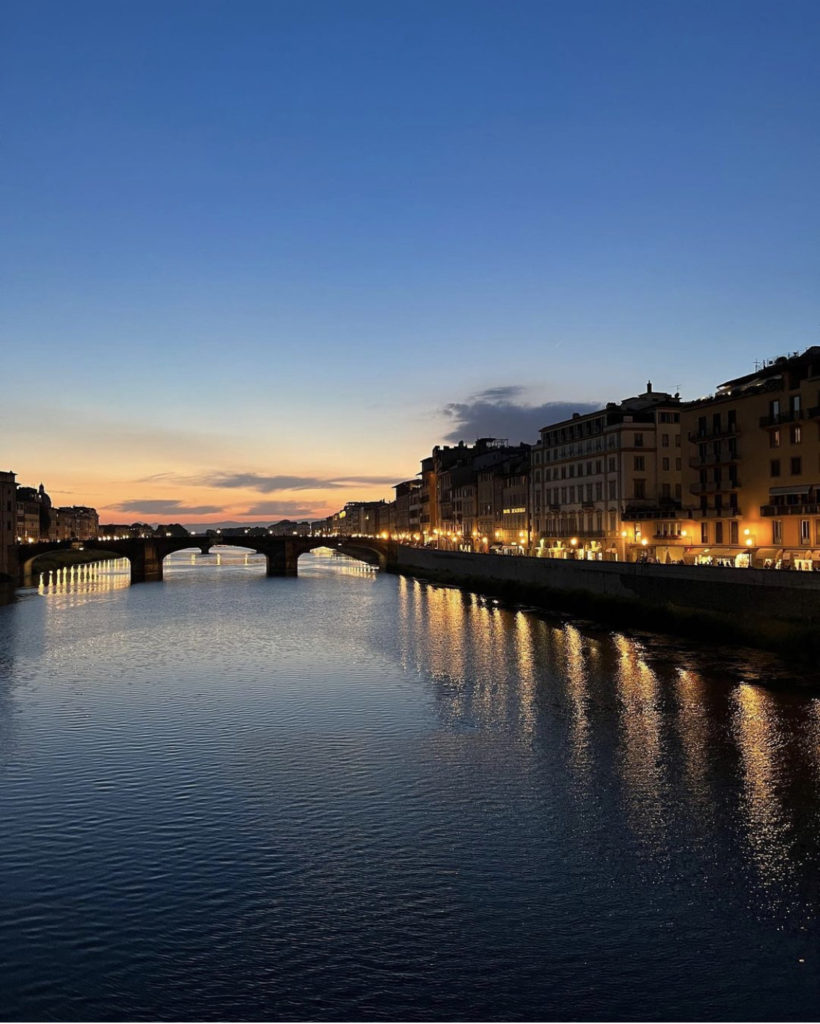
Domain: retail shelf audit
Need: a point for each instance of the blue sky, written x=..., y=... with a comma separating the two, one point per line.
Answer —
x=306, y=240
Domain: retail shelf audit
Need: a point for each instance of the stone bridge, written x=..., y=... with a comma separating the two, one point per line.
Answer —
x=146, y=555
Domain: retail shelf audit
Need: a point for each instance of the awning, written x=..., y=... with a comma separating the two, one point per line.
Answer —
x=794, y=489
x=763, y=553
x=722, y=552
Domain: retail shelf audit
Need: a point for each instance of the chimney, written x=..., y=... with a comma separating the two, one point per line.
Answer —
x=649, y=387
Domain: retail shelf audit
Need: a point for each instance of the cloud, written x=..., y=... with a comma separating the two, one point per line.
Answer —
x=495, y=413
x=282, y=510
x=165, y=507
x=268, y=484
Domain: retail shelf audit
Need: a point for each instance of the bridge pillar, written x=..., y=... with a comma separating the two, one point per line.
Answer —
x=282, y=559
x=146, y=564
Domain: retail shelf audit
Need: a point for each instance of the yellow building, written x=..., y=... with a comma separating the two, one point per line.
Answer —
x=752, y=466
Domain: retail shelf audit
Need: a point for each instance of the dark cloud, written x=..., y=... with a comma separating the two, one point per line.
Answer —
x=494, y=413
x=282, y=510
x=165, y=507
x=268, y=484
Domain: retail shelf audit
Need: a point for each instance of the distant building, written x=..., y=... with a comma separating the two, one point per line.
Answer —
x=35, y=520
x=76, y=522
x=289, y=528
x=8, y=523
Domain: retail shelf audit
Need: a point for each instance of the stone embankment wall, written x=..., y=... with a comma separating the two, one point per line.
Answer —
x=773, y=608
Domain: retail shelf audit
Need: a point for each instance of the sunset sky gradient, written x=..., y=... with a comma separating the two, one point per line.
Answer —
x=258, y=257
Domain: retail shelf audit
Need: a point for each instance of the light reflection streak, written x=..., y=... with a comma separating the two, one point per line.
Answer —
x=87, y=578
x=577, y=685
x=642, y=762
x=760, y=743
x=694, y=725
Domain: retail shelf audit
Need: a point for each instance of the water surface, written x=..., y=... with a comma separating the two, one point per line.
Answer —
x=359, y=796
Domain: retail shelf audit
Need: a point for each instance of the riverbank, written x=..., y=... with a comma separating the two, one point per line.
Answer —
x=773, y=611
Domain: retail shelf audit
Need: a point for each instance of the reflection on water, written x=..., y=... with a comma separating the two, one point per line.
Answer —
x=90, y=578
x=351, y=795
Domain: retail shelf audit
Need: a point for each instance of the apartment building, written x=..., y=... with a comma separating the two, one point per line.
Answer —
x=607, y=484
x=752, y=465
x=407, y=507
x=462, y=497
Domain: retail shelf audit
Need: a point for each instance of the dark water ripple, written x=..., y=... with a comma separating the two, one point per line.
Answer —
x=350, y=796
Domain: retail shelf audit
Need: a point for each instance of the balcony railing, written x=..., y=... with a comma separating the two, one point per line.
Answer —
x=810, y=509
x=699, y=437
x=696, y=462
x=712, y=487
x=786, y=416
x=656, y=512
x=732, y=512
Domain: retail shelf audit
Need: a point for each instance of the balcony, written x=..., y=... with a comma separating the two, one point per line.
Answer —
x=700, y=437
x=810, y=509
x=732, y=512
x=633, y=514
x=696, y=462
x=713, y=487
x=786, y=416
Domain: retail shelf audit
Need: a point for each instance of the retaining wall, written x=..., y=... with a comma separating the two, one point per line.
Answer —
x=773, y=607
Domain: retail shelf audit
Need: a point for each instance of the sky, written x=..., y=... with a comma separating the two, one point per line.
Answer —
x=259, y=257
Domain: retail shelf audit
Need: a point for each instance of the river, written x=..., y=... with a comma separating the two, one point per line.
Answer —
x=359, y=796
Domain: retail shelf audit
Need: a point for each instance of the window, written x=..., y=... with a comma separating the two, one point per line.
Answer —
x=796, y=434
x=666, y=491
x=716, y=422
x=718, y=533
x=702, y=426
x=796, y=466
x=733, y=532
x=638, y=441
x=774, y=467
x=677, y=492
x=704, y=533
x=774, y=439
x=777, y=531
x=664, y=440
x=639, y=488
x=805, y=531
x=639, y=463
x=611, y=490
x=665, y=464
x=677, y=464
x=611, y=465
x=794, y=403
x=774, y=410
x=731, y=418
x=599, y=491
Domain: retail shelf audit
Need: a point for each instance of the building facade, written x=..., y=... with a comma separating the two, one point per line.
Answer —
x=608, y=484
x=752, y=466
